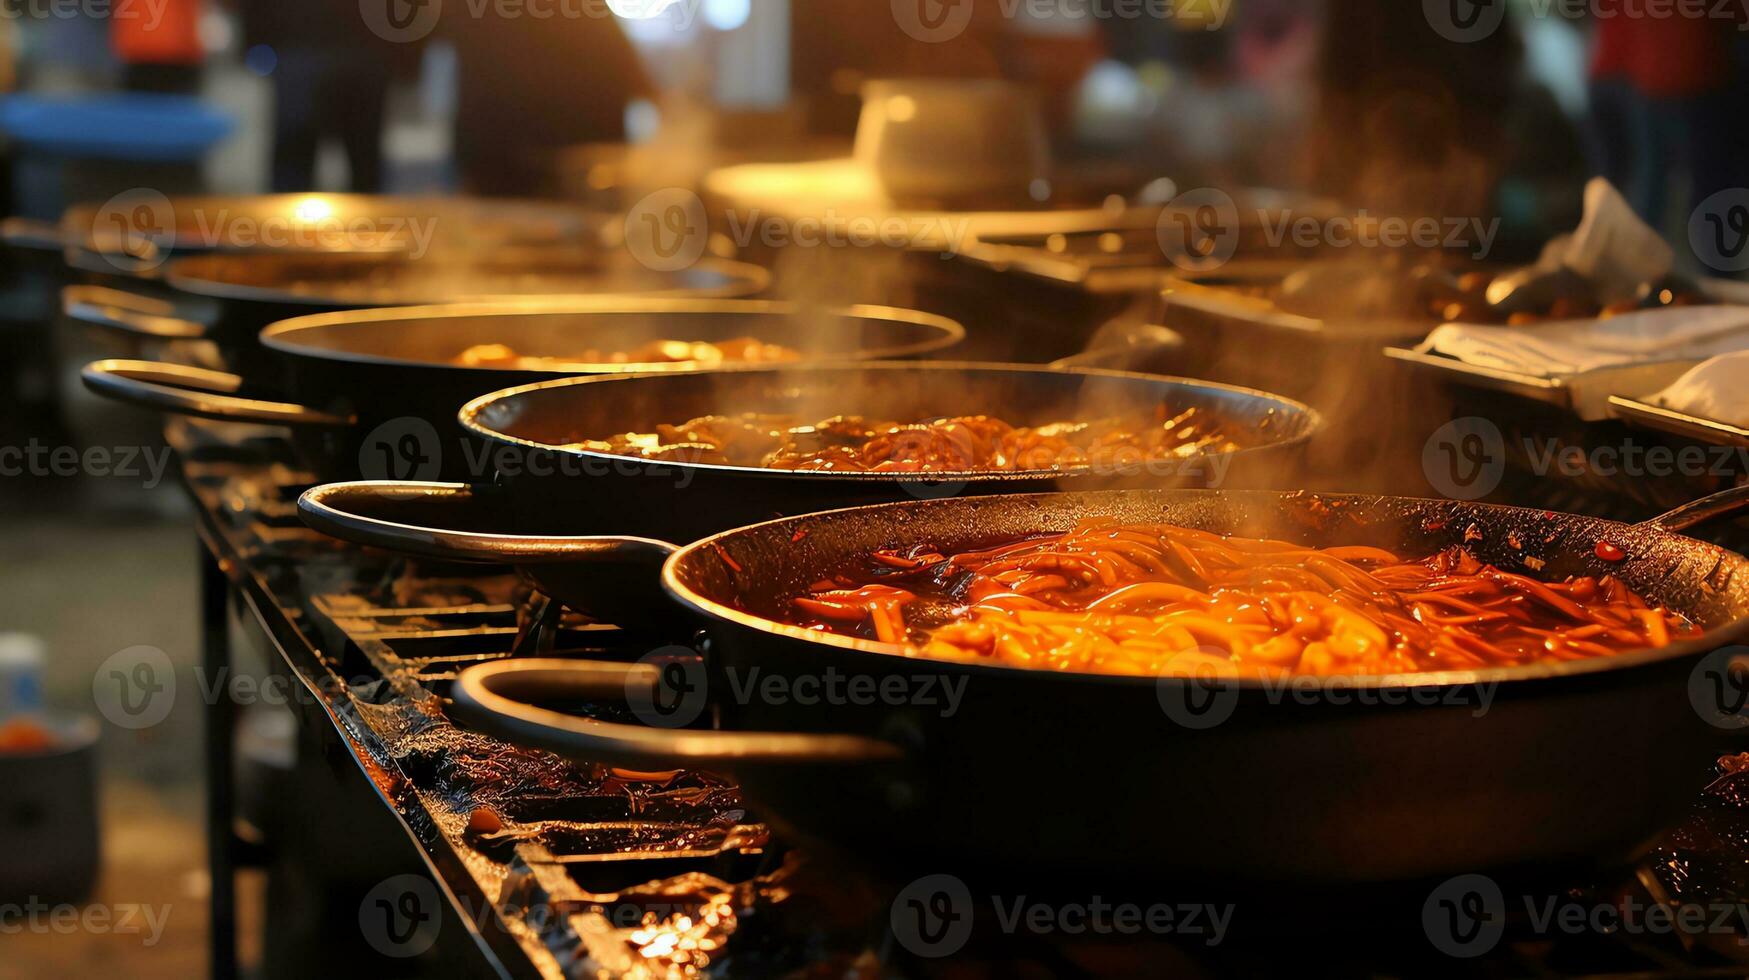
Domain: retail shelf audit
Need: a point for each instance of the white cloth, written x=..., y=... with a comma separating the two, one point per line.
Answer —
x=1613, y=248
x=1571, y=347
x=1717, y=389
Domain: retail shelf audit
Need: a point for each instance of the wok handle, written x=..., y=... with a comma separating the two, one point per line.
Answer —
x=1132, y=348
x=346, y=511
x=496, y=698
x=183, y=390
x=1721, y=504
x=129, y=313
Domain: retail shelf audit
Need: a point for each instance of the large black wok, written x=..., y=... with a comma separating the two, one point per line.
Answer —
x=375, y=392
x=228, y=298
x=1581, y=762
x=543, y=486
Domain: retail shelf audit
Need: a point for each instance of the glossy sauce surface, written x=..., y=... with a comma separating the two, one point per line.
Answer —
x=853, y=443
x=1159, y=599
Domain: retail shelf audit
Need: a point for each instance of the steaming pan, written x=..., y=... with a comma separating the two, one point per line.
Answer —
x=1566, y=764
x=250, y=291
x=634, y=507
x=375, y=392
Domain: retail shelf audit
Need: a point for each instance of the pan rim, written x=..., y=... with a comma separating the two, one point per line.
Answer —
x=744, y=279
x=280, y=336
x=1708, y=642
x=1311, y=423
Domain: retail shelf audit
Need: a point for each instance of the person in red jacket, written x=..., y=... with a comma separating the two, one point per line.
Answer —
x=1662, y=105
x=159, y=45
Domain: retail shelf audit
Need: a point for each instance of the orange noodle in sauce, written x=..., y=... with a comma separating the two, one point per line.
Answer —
x=1155, y=599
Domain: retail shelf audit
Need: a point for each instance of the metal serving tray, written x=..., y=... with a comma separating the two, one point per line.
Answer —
x=1646, y=415
x=1590, y=394
x=1122, y=252
x=1585, y=394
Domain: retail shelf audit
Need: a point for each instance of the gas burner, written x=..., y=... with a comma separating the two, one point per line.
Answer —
x=561, y=869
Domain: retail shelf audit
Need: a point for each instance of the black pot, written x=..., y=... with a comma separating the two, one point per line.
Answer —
x=374, y=393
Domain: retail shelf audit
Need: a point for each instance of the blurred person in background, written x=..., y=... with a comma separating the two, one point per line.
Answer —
x=1216, y=96
x=1665, y=106
x=1414, y=124
x=836, y=45
x=331, y=76
x=159, y=45
x=530, y=86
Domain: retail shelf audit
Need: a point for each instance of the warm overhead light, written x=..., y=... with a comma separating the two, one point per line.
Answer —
x=313, y=209
x=727, y=15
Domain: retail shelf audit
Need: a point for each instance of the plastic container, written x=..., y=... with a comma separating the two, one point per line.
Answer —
x=22, y=656
x=49, y=816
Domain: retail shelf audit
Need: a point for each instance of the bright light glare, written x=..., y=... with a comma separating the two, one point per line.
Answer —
x=639, y=9
x=313, y=209
x=726, y=15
